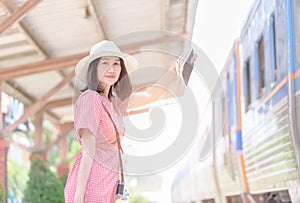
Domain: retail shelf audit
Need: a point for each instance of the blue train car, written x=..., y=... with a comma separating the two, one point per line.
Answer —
x=257, y=158
x=269, y=116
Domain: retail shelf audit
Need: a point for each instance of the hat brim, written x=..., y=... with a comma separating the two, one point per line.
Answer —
x=82, y=66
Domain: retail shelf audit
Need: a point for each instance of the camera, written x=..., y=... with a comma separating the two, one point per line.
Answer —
x=122, y=192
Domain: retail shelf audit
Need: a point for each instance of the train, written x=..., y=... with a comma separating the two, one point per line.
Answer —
x=255, y=117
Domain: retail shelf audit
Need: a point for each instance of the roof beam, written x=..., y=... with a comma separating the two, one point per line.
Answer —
x=184, y=27
x=164, y=4
x=20, y=94
x=41, y=66
x=97, y=18
x=30, y=40
x=22, y=34
x=137, y=45
x=38, y=105
x=58, y=103
x=67, y=61
x=18, y=15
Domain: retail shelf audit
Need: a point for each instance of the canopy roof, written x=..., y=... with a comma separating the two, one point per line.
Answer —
x=41, y=41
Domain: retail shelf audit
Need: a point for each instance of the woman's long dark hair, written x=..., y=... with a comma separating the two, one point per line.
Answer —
x=122, y=87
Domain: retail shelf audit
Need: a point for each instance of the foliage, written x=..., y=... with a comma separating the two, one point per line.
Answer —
x=138, y=199
x=75, y=147
x=53, y=155
x=63, y=179
x=43, y=186
x=2, y=194
x=49, y=132
x=17, y=176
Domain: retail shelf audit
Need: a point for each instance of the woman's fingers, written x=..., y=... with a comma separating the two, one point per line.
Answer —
x=193, y=59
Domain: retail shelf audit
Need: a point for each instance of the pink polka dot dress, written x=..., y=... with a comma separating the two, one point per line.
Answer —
x=104, y=174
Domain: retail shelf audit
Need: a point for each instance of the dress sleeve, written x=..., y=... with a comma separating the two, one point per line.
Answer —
x=88, y=114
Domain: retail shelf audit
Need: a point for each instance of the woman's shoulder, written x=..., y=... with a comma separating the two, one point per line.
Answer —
x=88, y=95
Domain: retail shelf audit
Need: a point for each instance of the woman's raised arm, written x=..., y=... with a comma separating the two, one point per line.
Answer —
x=153, y=93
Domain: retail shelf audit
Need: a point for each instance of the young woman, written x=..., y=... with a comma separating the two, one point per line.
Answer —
x=95, y=174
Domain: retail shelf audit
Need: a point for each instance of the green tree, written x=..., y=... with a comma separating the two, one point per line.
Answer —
x=63, y=179
x=17, y=178
x=43, y=186
x=2, y=194
x=138, y=199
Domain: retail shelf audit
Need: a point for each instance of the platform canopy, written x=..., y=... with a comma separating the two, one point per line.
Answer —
x=42, y=40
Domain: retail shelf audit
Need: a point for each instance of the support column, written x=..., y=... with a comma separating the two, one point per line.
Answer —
x=63, y=166
x=38, y=137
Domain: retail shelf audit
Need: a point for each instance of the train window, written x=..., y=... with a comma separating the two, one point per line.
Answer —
x=247, y=84
x=260, y=59
x=274, y=70
x=208, y=201
x=234, y=199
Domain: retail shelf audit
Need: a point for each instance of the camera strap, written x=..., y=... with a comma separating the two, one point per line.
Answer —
x=118, y=142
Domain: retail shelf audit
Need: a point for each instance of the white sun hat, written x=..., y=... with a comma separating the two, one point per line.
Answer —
x=102, y=48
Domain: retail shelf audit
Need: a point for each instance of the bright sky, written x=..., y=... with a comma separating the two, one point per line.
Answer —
x=217, y=25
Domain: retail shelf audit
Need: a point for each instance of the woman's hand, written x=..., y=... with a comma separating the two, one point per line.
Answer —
x=193, y=59
x=173, y=68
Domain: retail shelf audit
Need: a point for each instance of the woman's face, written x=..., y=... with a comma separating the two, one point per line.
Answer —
x=108, y=70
